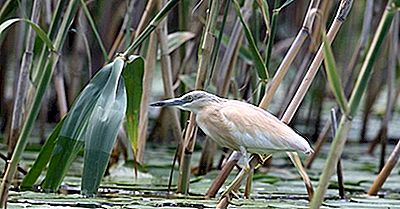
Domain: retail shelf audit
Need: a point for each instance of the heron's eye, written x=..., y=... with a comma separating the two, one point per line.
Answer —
x=189, y=98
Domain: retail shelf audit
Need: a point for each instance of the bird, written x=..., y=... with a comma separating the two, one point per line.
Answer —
x=239, y=125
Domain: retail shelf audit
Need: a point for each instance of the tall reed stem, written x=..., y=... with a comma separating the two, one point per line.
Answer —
x=291, y=54
x=204, y=54
x=341, y=15
x=35, y=108
x=166, y=69
x=22, y=85
x=355, y=99
x=281, y=72
x=150, y=27
x=385, y=172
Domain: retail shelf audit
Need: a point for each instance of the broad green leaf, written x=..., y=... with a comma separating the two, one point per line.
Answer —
x=133, y=77
x=102, y=129
x=41, y=34
x=333, y=78
x=72, y=133
x=63, y=155
x=42, y=159
x=258, y=61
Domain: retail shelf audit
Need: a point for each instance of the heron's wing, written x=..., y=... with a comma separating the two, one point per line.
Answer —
x=259, y=131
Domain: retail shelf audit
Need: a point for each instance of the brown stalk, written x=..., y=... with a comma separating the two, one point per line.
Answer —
x=360, y=48
x=376, y=141
x=291, y=54
x=166, y=69
x=318, y=144
x=78, y=63
x=224, y=78
x=313, y=43
x=339, y=19
x=391, y=94
x=23, y=82
x=385, y=172
x=294, y=49
x=227, y=66
x=59, y=87
x=371, y=96
x=121, y=37
x=253, y=162
x=223, y=174
x=342, y=13
x=204, y=59
x=150, y=65
x=348, y=74
x=124, y=27
x=309, y=77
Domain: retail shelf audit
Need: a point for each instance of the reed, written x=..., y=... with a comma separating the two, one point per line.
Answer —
x=204, y=55
x=355, y=99
x=34, y=109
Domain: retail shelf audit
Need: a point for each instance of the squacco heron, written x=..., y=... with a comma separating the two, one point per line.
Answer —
x=239, y=126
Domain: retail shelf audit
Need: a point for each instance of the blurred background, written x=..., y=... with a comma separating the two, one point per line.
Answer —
x=81, y=57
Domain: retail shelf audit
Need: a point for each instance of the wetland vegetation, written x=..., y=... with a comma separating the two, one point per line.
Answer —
x=77, y=78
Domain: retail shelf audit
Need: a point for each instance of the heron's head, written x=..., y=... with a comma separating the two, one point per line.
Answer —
x=193, y=101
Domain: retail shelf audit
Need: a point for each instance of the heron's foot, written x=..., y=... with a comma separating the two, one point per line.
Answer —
x=228, y=194
x=264, y=158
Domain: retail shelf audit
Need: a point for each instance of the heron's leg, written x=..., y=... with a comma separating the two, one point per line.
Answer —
x=246, y=158
x=235, y=184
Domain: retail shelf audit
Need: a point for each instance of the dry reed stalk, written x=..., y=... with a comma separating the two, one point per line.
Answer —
x=291, y=54
x=294, y=49
x=224, y=78
x=59, y=87
x=360, y=47
x=120, y=38
x=371, y=96
x=341, y=15
x=232, y=50
x=385, y=172
x=391, y=94
x=355, y=100
x=33, y=112
x=150, y=66
x=166, y=69
x=204, y=59
x=223, y=174
x=223, y=202
x=23, y=82
x=391, y=76
x=293, y=106
x=226, y=69
x=318, y=145
x=347, y=79
x=75, y=73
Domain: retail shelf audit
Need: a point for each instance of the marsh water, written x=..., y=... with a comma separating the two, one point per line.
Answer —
x=276, y=186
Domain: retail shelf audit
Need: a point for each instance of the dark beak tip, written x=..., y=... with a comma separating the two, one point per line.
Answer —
x=156, y=104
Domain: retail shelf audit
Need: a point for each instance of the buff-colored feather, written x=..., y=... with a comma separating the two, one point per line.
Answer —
x=239, y=125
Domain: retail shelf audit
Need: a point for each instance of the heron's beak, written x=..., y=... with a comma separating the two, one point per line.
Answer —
x=168, y=102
